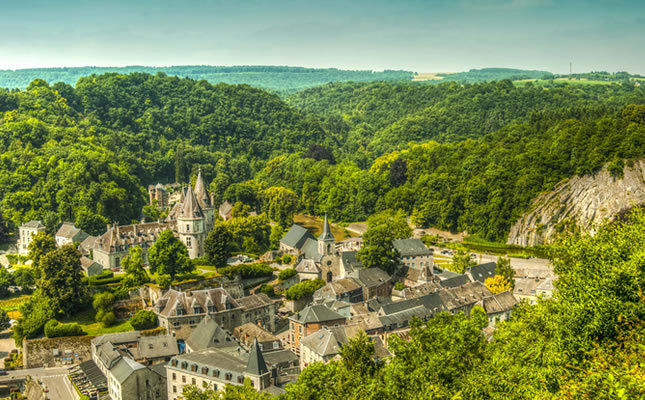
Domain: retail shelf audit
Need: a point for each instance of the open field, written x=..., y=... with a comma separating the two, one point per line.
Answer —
x=92, y=328
x=428, y=76
x=316, y=224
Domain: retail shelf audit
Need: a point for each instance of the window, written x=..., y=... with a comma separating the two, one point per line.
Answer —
x=194, y=381
x=183, y=378
x=211, y=308
x=214, y=386
x=187, y=228
x=175, y=324
x=174, y=389
x=188, y=242
x=300, y=329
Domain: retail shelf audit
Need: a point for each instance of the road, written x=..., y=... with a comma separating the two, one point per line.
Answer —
x=55, y=379
x=516, y=263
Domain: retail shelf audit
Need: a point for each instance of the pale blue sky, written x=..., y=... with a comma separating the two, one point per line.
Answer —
x=422, y=36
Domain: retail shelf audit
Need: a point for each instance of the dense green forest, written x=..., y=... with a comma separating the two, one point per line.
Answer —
x=455, y=156
x=276, y=78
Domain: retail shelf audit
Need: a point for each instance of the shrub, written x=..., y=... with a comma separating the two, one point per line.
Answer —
x=304, y=289
x=163, y=281
x=399, y=286
x=277, y=260
x=268, y=290
x=53, y=329
x=144, y=319
x=286, y=274
x=286, y=259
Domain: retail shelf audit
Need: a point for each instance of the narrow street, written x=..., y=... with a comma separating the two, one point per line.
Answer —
x=55, y=379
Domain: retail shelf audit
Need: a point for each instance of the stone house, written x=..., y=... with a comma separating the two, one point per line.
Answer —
x=26, y=232
x=375, y=282
x=182, y=311
x=308, y=270
x=126, y=378
x=68, y=234
x=159, y=195
x=310, y=320
x=498, y=307
x=214, y=369
x=414, y=254
x=90, y=267
x=349, y=263
x=345, y=289
x=246, y=334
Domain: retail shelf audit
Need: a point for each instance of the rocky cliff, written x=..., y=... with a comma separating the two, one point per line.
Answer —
x=584, y=201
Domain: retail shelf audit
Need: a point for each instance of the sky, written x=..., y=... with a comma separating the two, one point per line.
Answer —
x=420, y=36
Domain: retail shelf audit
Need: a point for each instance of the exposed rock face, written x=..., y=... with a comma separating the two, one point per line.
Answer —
x=586, y=201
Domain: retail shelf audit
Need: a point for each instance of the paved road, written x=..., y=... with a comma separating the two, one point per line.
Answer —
x=55, y=379
x=516, y=263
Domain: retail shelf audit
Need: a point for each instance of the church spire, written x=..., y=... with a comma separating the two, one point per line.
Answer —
x=326, y=233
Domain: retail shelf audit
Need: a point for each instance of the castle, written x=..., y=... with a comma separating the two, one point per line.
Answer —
x=190, y=219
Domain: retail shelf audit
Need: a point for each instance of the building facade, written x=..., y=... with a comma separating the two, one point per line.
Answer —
x=26, y=233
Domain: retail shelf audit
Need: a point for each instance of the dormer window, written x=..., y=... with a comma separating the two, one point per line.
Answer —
x=197, y=310
x=211, y=309
x=179, y=310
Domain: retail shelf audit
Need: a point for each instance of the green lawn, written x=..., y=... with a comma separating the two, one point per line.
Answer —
x=86, y=320
x=12, y=303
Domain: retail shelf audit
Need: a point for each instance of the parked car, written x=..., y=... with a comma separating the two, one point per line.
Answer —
x=3, y=372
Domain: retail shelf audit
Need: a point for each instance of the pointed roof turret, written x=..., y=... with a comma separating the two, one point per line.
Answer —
x=190, y=209
x=201, y=192
x=256, y=365
x=326, y=233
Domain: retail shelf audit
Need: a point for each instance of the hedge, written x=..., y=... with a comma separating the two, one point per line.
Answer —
x=247, y=271
x=53, y=329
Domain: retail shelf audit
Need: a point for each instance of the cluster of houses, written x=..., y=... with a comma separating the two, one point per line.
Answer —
x=217, y=336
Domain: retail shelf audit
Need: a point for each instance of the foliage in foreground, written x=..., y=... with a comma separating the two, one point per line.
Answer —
x=587, y=341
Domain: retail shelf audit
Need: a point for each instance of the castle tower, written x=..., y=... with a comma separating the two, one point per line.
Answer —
x=204, y=201
x=191, y=225
x=326, y=240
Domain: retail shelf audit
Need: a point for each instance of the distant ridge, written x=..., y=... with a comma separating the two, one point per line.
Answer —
x=277, y=78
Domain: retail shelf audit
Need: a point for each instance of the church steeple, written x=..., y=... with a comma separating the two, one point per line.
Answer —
x=326, y=240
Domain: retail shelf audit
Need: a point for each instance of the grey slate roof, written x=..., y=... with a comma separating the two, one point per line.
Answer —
x=69, y=231
x=310, y=248
x=499, y=303
x=349, y=260
x=455, y=281
x=315, y=313
x=209, y=334
x=200, y=191
x=307, y=266
x=280, y=357
x=151, y=347
x=254, y=301
x=326, y=233
x=411, y=247
x=323, y=342
x=124, y=368
x=372, y=277
x=190, y=209
x=256, y=365
x=117, y=338
x=404, y=317
x=482, y=271
x=33, y=224
x=213, y=359
x=296, y=236
x=216, y=297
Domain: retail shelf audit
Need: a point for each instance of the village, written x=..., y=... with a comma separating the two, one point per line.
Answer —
x=218, y=329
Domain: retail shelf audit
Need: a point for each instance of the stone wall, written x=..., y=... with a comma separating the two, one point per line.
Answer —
x=40, y=352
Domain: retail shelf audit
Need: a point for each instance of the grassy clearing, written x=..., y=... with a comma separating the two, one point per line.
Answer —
x=429, y=76
x=316, y=225
x=12, y=303
x=86, y=320
x=476, y=244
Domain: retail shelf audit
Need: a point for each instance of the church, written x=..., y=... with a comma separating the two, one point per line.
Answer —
x=190, y=219
x=315, y=257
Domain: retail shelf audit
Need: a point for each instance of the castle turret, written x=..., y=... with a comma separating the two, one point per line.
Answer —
x=191, y=225
x=204, y=201
x=326, y=240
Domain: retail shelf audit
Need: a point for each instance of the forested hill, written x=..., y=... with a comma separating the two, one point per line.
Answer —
x=482, y=151
x=276, y=78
